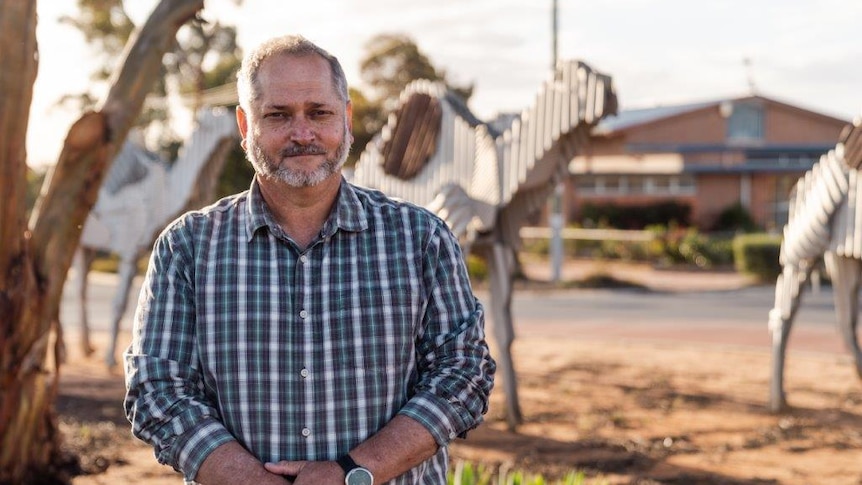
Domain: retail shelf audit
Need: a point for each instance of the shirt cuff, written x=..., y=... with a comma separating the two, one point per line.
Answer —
x=193, y=447
x=445, y=419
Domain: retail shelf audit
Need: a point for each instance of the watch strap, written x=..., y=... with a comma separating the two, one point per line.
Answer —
x=346, y=462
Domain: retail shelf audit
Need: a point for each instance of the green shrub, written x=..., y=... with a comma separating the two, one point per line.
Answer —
x=757, y=254
x=674, y=245
x=465, y=473
x=636, y=216
x=477, y=269
x=735, y=218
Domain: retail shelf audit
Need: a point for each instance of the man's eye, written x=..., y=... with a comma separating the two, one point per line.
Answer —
x=276, y=114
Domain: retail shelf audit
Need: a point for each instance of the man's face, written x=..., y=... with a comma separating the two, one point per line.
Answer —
x=298, y=131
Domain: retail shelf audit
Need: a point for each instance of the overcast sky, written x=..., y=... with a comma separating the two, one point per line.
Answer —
x=659, y=52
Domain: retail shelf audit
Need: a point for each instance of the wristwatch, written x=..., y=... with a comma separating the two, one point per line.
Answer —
x=353, y=473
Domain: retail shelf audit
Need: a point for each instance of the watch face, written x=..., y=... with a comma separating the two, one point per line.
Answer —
x=359, y=476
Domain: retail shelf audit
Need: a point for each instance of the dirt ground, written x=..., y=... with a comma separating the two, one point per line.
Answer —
x=624, y=412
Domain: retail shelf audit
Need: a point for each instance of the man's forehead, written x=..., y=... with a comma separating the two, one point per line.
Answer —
x=288, y=61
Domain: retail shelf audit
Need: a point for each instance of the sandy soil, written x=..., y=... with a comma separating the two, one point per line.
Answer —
x=624, y=412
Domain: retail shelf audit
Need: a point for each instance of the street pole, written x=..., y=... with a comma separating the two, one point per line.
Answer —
x=556, y=217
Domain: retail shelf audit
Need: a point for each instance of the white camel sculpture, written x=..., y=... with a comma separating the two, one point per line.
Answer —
x=483, y=182
x=825, y=220
x=140, y=195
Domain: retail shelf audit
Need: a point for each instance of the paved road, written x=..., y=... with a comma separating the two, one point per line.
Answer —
x=731, y=317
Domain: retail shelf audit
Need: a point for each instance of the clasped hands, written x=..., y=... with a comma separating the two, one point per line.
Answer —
x=308, y=472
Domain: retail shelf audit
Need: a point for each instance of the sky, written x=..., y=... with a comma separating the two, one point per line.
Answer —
x=659, y=52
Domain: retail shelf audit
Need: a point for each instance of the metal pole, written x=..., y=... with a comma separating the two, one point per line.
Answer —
x=556, y=216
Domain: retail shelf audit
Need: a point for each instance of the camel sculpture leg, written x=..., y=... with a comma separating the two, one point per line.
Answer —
x=127, y=271
x=788, y=294
x=845, y=274
x=83, y=259
x=501, y=265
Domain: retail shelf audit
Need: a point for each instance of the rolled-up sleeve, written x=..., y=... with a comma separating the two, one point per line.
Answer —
x=166, y=400
x=456, y=371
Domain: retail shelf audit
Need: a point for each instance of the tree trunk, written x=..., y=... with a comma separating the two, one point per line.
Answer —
x=34, y=261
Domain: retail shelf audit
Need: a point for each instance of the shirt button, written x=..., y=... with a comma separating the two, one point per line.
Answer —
x=303, y=259
x=304, y=372
x=306, y=432
x=303, y=314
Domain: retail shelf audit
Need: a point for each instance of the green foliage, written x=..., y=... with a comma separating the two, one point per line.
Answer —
x=236, y=175
x=106, y=26
x=392, y=62
x=758, y=255
x=207, y=56
x=636, y=216
x=477, y=269
x=735, y=218
x=668, y=246
x=368, y=119
x=106, y=262
x=466, y=473
x=676, y=245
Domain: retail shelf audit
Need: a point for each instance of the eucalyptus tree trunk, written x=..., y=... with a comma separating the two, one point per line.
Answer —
x=35, y=258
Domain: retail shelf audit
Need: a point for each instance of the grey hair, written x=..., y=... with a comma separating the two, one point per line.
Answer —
x=295, y=45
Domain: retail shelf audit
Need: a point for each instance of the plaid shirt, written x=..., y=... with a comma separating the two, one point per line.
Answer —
x=303, y=354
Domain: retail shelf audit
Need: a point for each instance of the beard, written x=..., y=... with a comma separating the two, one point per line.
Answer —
x=267, y=167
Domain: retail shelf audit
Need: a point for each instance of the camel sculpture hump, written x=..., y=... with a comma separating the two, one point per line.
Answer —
x=124, y=200
x=433, y=146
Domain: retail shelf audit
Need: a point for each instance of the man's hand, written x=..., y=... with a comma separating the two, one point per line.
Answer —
x=231, y=464
x=308, y=472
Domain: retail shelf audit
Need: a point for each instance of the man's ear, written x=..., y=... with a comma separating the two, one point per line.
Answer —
x=349, y=114
x=241, y=122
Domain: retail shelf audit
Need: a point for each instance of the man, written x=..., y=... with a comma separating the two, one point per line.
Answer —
x=305, y=331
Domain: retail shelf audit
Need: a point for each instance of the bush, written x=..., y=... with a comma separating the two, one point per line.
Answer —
x=676, y=245
x=476, y=268
x=735, y=218
x=466, y=473
x=758, y=254
x=636, y=216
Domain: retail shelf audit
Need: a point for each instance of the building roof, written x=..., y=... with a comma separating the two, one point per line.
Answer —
x=633, y=117
x=625, y=119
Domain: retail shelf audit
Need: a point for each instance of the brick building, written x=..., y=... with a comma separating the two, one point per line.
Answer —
x=709, y=155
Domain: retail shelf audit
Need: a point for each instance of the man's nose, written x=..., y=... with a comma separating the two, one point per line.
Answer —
x=301, y=131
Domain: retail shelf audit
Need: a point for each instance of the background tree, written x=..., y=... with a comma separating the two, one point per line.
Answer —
x=35, y=258
x=391, y=63
x=205, y=56
x=368, y=119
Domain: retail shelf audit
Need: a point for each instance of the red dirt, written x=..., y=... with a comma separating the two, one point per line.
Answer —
x=625, y=412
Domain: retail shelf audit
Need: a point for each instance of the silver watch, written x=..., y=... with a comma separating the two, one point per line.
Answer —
x=354, y=474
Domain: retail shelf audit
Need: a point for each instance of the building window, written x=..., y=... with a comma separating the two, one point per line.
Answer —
x=745, y=122
x=785, y=190
x=621, y=185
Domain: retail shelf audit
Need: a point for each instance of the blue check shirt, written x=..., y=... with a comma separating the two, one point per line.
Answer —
x=303, y=354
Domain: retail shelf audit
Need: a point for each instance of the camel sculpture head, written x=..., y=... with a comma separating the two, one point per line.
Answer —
x=850, y=144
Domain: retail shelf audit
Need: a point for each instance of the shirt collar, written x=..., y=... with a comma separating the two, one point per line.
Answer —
x=348, y=213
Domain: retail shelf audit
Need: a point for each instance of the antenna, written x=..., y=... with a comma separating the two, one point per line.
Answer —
x=555, y=24
x=749, y=75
